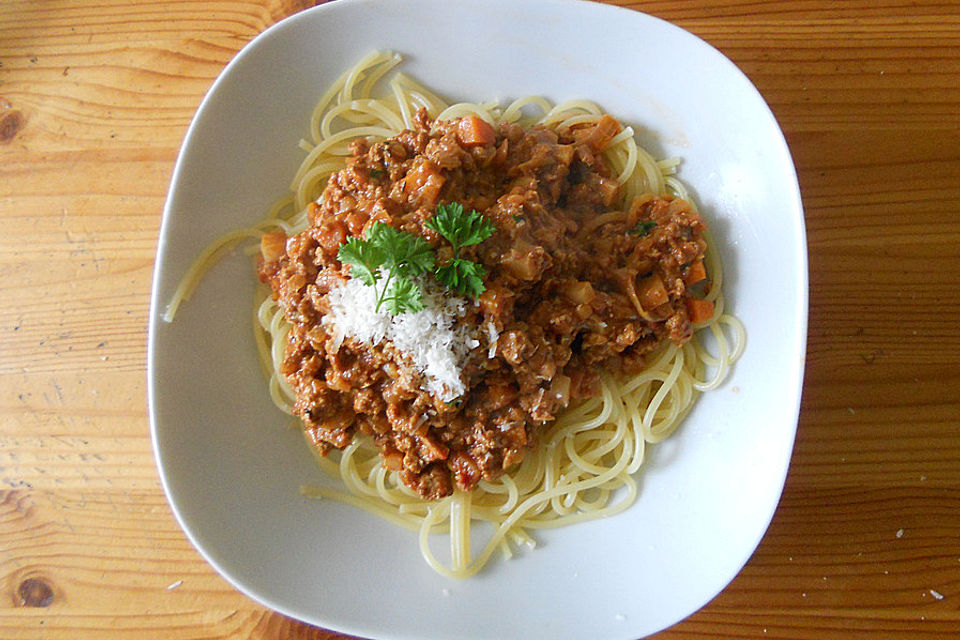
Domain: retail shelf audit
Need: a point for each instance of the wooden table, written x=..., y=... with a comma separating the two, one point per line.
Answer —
x=96, y=98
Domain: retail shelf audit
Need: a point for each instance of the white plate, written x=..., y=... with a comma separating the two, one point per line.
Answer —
x=230, y=465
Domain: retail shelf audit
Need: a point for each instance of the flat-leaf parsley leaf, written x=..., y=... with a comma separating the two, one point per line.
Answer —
x=364, y=259
x=397, y=257
x=462, y=276
x=404, y=296
x=400, y=254
x=461, y=230
x=403, y=252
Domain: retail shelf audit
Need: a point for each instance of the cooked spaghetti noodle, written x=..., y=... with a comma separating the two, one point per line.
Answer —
x=584, y=463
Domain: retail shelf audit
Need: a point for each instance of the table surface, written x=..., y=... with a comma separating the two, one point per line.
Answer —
x=94, y=101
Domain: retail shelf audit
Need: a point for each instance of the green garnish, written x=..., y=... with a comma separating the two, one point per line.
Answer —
x=643, y=228
x=364, y=259
x=461, y=230
x=463, y=276
x=397, y=257
x=401, y=254
x=405, y=296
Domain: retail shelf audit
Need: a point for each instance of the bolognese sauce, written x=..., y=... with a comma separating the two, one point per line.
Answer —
x=574, y=285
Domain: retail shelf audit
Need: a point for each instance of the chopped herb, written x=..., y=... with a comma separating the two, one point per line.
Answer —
x=376, y=174
x=461, y=230
x=643, y=228
x=400, y=254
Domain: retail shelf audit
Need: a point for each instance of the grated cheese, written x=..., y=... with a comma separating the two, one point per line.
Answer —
x=435, y=343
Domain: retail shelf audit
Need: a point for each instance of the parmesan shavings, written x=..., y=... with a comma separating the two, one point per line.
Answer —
x=435, y=343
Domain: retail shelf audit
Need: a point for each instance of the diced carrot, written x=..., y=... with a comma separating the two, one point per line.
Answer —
x=602, y=133
x=273, y=245
x=474, y=130
x=651, y=292
x=431, y=189
x=699, y=310
x=695, y=273
x=423, y=183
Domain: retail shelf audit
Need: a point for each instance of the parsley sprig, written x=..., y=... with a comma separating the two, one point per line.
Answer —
x=398, y=257
x=400, y=254
x=461, y=229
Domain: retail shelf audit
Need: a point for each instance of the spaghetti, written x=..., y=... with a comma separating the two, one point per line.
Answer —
x=584, y=464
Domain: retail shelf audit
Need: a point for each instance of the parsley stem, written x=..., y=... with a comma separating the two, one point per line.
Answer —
x=381, y=297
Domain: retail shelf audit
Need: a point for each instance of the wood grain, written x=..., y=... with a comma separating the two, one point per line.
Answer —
x=94, y=101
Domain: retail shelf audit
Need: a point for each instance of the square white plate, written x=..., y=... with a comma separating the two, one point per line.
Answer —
x=230, y=464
